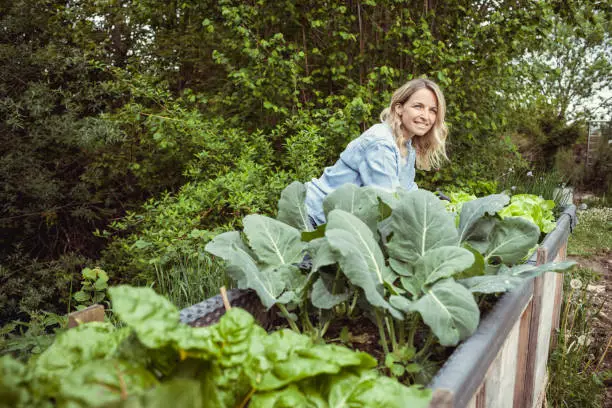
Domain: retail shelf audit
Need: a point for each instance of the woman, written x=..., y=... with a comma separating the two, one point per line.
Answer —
x=384, y=156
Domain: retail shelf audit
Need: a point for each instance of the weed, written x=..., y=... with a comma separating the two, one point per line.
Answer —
x=573, y=365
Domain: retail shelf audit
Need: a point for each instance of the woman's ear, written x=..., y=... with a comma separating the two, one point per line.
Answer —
x=399, y=109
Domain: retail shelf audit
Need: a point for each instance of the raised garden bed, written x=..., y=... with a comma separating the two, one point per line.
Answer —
x=503, y=364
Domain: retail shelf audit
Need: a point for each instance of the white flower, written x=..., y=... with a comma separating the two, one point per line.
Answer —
x=575, y=283
x=513, y=188
x=510, y=170
x=529, y=174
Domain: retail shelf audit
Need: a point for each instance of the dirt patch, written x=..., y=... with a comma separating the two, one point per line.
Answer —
x=602, y=327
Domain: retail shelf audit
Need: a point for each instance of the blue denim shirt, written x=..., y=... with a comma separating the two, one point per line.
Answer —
x=373, y=159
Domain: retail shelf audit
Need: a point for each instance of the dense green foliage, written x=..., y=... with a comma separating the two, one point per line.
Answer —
x=133, y=132
x=397, y=256
x=153, y=360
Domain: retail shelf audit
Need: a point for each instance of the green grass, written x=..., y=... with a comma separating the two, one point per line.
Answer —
x=576, y=378
x=190, y=281
x=593, y=235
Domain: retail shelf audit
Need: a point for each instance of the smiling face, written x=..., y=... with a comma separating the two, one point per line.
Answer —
x=418, y=114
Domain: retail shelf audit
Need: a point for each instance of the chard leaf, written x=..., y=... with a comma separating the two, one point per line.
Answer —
x=323, y=298
x=362, y=202
x=508, y=278
x=419, y=223
x=365, y=389
x=184, y=393
x=360, y=257
x=242, y=267
x=289, y=357
x=292, y=208
x=440, y=263
x=450, y=310
x=100, y=382
x=511, y=239
x=153, y=317
x=288, y=397
x=275, y=243
x=473, y=210
x=77, y=346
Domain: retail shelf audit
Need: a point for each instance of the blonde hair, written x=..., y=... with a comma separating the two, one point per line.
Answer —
x=431, y=147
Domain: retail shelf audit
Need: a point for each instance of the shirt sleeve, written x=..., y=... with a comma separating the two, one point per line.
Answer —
x=379, y=167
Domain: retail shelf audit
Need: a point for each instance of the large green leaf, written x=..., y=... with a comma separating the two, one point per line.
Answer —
x=323, y=298
x=97, y=383
x=292, y=208
x=321, y=253
x=153, y=317
x=473, y=210
x=511, y=239
x=184, y=393
x=508, y=278
x=450, y=310
x=362, y=202
x=419, y=223
x=242, y=267
x=274, y=242
x=360, y=256
x=442, y=262
x=72, y=348
x=366, y=389
x=479, y=235
x=287, y=357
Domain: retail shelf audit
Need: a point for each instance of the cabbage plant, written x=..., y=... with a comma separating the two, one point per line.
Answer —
x=399, y=257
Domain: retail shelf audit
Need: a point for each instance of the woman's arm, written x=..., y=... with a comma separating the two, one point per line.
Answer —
x=380, y=166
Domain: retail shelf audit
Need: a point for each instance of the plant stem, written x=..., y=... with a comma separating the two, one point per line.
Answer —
x=412, y=329
x=324, y=329
x=306, y=323
x=426, y=346
x=353, y=304
x=391, y=330
x=381, y=331
x=285, y=313
x=402, y=332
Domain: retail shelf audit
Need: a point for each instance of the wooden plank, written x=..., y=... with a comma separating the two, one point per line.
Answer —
x=561, y=256
x=441, y=398
x=465, y=371
x=501, y=378
x=534, y=325
x=94, y=313
x=549, y=280
x=481, y=397
x=521, y=363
